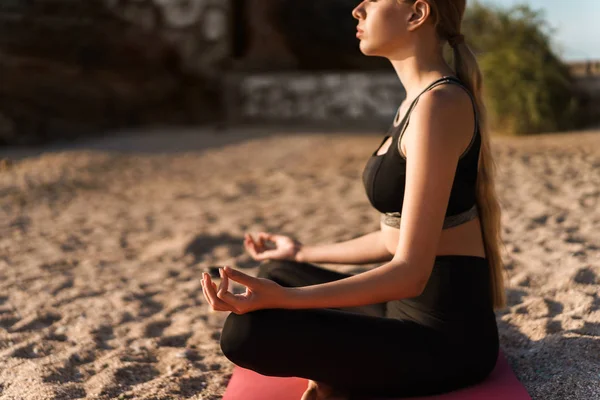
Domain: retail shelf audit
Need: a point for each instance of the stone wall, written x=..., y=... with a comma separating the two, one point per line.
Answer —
x=333, y=99
x=73, y=67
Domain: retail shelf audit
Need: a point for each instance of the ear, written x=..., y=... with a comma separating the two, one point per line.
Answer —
x=420, y=12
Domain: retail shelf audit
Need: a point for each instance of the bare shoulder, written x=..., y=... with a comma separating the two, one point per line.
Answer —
x=444, y=115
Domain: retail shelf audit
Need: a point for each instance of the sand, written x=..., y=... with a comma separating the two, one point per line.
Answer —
x=103, y=242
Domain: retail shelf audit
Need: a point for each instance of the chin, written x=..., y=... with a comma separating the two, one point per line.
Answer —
x=368, y=50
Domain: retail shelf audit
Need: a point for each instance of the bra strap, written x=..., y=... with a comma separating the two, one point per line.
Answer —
x=456, y=81
x=441, y=81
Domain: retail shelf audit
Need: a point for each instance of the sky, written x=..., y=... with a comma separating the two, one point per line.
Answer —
x=577, y=25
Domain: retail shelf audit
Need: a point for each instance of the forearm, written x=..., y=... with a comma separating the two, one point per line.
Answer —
x=391, y=281
x=365, y=249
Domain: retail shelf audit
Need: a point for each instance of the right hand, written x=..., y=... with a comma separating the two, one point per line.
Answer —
x=285, y=248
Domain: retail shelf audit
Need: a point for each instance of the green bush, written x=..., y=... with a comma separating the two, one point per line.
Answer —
x=528, y=89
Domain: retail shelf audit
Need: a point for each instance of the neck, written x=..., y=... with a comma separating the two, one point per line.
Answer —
x=420, y=69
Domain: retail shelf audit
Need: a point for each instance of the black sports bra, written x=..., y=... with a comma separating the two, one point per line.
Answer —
x=384, y=174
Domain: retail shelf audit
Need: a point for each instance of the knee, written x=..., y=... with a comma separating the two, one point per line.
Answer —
x=239, y=337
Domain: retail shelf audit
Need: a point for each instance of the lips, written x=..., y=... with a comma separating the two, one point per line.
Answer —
x=359, y=32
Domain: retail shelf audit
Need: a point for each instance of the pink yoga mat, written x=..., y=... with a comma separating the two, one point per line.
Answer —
x=245, y=384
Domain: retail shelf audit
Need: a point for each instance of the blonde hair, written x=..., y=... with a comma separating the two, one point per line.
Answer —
x=448, y=15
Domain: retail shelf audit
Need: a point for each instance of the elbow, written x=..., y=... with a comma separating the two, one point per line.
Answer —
x=416, y=285
x=411, y=281
x=419, y=287
x=410, y=288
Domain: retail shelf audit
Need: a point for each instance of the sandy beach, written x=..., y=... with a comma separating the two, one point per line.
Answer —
x=103, y=242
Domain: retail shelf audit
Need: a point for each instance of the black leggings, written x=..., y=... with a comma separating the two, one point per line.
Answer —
x=443, y=340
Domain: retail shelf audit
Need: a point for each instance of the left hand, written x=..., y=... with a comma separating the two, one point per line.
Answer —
x=260, y=292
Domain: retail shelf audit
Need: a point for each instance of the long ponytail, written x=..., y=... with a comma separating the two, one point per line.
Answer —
x=467, y=70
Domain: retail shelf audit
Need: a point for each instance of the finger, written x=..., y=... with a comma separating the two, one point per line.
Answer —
x=267, y=254
x=257, y=250
x=250, y=247
x=263, y=236
x=258, y=242
x=228, y=297
x=215, y=303
x=233, y=300
x=210, y=300
x=256, y=245
x=240, y=277
x=252, y=250
x=212, y=294
x=267, y=236
x=205, y=294
x=224, y=286
x=251, y=237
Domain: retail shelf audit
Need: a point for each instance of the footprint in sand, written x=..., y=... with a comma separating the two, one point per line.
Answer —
x=156, y=328
x=514, y=296
x=102, y=335
x=595, y=303
x=589, y=329
x=73, y=243
x=538, y=307
x=7, y=318
x=57, y=337
x=553, y=327
x=174, y=340
x=108, y=384
x=83, y=356
x=60, y=266
x=33, y=350
x=585, y=276
x=204, y=245
x=62, y=284
x=138, y=354
x=36, y=322
x=63, y=374
x=135, y=374
x=69, y=391
x=147, y=306
x=191, y=386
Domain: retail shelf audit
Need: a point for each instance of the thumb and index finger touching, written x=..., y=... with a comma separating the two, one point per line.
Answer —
x=265, y=236
x=238, y=276
x=251, y=246
x=236, y=301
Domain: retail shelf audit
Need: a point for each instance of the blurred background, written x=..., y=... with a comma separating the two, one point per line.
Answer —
x=78, y=68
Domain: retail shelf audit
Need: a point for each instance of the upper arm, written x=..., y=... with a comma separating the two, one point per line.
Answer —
x=440, y=125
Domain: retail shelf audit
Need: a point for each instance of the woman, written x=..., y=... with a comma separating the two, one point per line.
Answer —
x=430, y=327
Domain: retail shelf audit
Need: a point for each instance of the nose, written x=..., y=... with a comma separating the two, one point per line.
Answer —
x=359, y=11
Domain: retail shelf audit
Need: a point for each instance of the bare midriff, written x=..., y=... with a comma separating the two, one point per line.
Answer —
x=464, y=239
